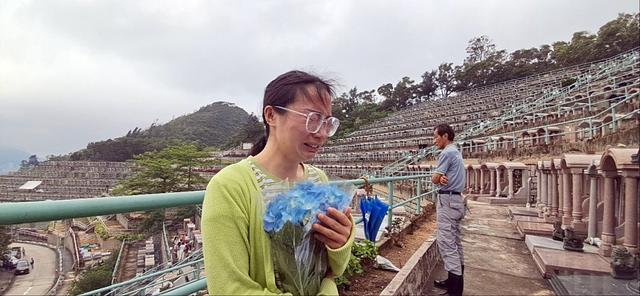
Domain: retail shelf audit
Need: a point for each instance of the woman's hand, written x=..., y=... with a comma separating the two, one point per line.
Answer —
x=335, y=229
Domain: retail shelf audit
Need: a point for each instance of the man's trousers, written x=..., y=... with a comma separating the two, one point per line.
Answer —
x=450, y=210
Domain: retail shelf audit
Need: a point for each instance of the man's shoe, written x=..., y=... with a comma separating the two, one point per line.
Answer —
x=441, y=284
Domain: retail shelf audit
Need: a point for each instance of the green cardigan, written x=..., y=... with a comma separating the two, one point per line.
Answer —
x=237, y=250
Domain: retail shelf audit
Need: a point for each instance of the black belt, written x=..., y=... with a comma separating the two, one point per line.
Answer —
x=448, y=192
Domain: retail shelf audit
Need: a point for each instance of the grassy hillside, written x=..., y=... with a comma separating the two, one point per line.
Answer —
x=211, y=126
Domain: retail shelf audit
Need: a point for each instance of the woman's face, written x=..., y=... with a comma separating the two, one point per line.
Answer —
x=291, y=132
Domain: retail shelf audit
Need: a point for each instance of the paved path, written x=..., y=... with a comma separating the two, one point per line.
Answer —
x=41, y=277
x=497, y=261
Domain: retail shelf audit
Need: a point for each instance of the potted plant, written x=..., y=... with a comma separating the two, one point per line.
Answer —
x=624, y=265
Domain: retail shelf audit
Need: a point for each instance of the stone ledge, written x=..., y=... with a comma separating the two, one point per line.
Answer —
x=414, y=275
x=550, y=262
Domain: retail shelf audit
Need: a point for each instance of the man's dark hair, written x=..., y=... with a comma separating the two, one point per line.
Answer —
x=442, y=129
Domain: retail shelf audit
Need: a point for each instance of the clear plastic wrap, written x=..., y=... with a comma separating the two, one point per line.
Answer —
x=300, y=260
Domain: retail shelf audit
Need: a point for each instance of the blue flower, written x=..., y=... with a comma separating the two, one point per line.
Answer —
x=306, y=266
x=301, y=205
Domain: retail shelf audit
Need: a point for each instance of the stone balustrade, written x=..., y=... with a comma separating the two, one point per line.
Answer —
x=594, y=194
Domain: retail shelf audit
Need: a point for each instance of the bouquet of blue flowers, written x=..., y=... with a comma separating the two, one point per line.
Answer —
x=300, y=260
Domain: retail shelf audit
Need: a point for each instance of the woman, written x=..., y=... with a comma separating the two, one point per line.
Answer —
x=237, y=254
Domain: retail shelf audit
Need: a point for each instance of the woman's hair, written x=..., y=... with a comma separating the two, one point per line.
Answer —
x=283, y=90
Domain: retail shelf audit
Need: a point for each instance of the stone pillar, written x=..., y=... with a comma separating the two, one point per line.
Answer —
x=466, y=177
x=630, y=212
x=554, y=192
x=510, y=178
x=492, y=185
x=566, y=202
x=477, y=181
x=474, y=185
x=560, y=193
x=543, y=194
x=608, y=222
x=499, y=188
x=549, y=190
x=577, y=223
x=538, y=186
x=525, y=183
x=593, y=206
x=482, y=181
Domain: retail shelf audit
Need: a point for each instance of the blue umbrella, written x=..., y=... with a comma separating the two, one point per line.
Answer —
x=373, y=212
x=365, y=209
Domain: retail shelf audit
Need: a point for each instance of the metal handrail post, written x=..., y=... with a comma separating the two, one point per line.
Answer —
x=117, y=265
x=390, y=197
x=418, y=193
x=165, y=240
x=140, y=278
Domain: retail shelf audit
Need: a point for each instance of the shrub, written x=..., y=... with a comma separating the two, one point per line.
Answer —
x=362, y=252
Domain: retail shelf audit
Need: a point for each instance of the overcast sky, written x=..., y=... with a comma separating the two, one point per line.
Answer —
x=73, y=72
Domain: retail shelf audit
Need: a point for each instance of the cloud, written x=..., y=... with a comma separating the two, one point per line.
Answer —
x=72, y=72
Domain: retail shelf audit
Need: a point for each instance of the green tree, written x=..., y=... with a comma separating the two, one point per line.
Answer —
x=96, y=277
x=348, y=101
x=582, y=48
x=355, y=108
x=445, y=79
x=404, y=93
x=560, y=52
x=386, y=91
x=427, y=87
x=479, y=49
x=168, y=170
x=618, y=35
x=483, y=65
x=250, y=132
x=172, y=169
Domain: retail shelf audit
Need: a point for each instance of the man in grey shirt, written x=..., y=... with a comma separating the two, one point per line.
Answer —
x=449, y=179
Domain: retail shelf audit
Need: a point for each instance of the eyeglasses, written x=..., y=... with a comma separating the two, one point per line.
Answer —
x=315, y=121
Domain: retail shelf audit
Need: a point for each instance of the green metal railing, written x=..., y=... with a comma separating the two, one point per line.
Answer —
x=39, y=211
x=157, y=276
x=117, y=265
x=49, y=210
x=165, y=243
x=188, y=289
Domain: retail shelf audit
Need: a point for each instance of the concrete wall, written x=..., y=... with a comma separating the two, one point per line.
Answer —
x=412, y=278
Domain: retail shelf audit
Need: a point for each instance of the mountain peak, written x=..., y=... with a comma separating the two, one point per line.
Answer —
x=211, y=126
